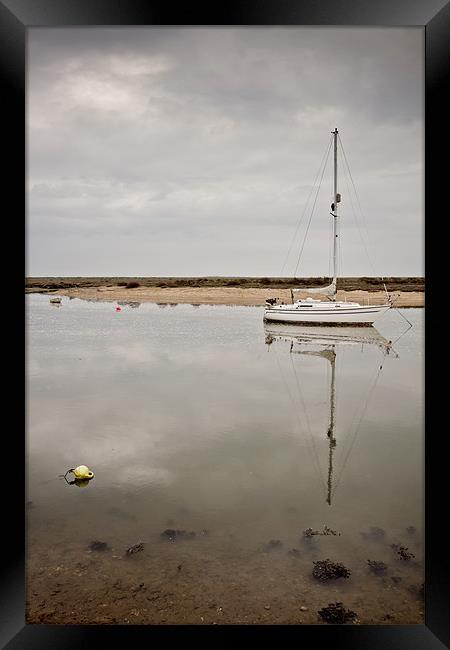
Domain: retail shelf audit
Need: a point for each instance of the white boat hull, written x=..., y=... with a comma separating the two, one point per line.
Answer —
x=326, y=314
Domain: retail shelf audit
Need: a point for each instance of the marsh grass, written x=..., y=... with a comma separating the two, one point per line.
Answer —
x=346, y=284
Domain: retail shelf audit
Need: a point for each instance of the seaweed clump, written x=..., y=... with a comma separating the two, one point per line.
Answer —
x=172, y=534
x=325, y=570
x=379, y=568
x=328, y=531
x=337, y=614
x=309, y=532
x=403, y=552
x=98, y=546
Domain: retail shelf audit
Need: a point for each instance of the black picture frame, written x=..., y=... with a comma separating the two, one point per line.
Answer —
x=18, y=15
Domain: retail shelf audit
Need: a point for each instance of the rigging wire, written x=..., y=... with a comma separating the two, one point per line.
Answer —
x=315, y=458
x=306, y=205
x=307, y=422
x=360, y=209
x=312, y=211
x=349, y=429
x=330, y=241
x=355, y=218
x=354, y=215
x=369, y=395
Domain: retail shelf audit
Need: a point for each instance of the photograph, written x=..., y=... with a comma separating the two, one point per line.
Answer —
x=224, y=314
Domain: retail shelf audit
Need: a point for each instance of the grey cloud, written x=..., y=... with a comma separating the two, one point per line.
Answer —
x=171, y=140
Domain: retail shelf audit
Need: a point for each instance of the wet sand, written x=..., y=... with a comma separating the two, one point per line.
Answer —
x=214, y=580
x=228, y=295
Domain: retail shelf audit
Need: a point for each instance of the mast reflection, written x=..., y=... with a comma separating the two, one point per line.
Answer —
x=327, y=339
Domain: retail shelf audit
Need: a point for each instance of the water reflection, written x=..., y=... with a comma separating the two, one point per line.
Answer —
x=134, y=304
x=324, y=343
x=191, y=422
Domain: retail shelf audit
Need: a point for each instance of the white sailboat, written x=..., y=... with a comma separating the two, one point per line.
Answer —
x=329, y=311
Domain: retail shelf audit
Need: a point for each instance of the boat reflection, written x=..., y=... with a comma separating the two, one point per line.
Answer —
x=323, y=335
x=324, y=342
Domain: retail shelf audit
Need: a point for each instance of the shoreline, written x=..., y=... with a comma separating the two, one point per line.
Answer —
x=221, y=295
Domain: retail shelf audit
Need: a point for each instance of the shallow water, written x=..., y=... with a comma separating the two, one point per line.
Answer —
x=194, y=418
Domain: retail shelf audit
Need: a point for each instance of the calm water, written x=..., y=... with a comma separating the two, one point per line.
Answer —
x=194, y=418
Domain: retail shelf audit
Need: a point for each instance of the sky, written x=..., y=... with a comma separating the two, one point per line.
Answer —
x=195, y=151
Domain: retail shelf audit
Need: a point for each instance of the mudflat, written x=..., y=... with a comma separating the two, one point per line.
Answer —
x=404, y=292
x=231, y=295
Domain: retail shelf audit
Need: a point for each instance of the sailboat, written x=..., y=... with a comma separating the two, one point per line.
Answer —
x=329, y=311
x=323, y=342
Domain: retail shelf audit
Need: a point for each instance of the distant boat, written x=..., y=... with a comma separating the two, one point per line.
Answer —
x=329, y=311
x=55, y=301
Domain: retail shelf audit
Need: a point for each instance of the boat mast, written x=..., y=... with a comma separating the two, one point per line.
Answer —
x=330, y=355
x=330, y=432
x=336, y=200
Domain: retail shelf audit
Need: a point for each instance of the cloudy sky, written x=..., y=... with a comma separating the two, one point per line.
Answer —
x=193, y=151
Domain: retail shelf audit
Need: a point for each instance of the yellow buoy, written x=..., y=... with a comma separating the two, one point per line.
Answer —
x=82, y=472
x=82, y=475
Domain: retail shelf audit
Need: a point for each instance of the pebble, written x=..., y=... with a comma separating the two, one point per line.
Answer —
x=303, y=608
x=266, y=606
